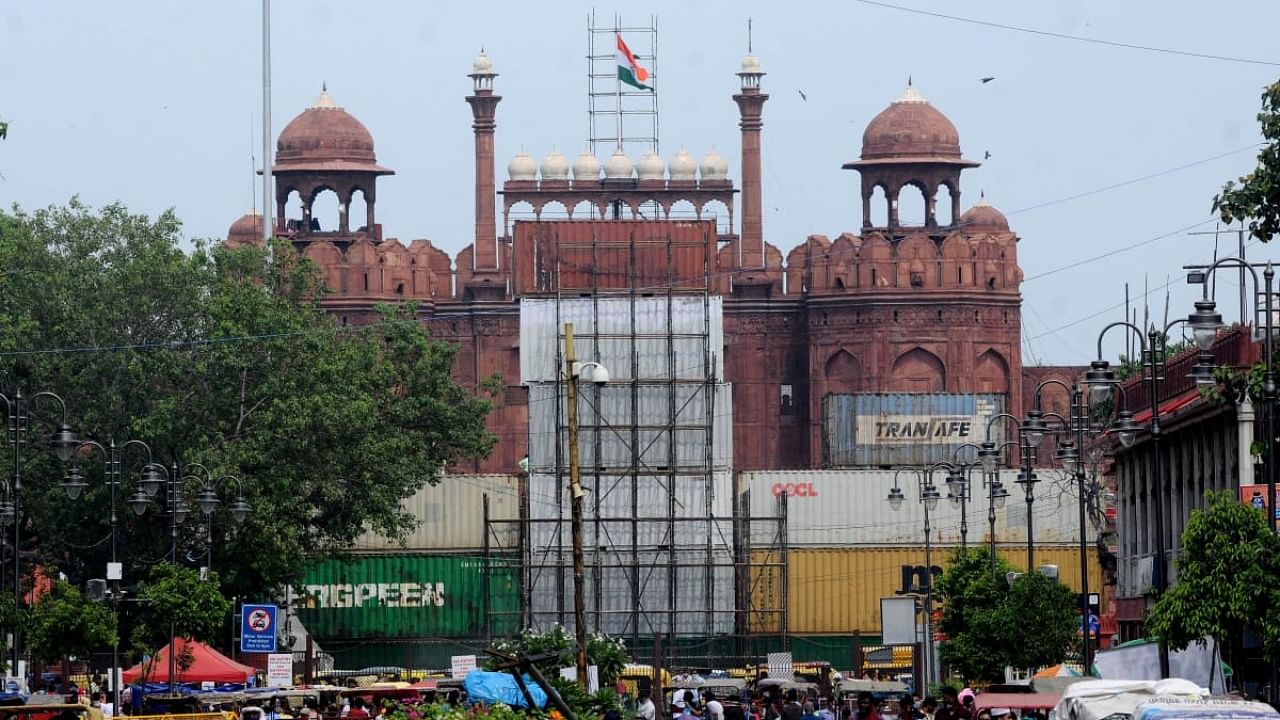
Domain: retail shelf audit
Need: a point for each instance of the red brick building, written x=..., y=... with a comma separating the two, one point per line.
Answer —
x=890, y=308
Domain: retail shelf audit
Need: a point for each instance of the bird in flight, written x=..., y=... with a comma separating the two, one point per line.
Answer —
x=802, y=95
x=986, y=80
x=987, y=156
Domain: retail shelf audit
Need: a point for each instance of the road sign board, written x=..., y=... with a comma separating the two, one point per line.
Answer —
x=257, y=628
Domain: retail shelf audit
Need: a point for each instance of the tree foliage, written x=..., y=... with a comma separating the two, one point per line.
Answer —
x=63, y=623
x=989, y=624
x=175, y=594
x=1228, y=577
x=224, y=358
x=971, y=595
x=1039, y=621
x=1255, y=197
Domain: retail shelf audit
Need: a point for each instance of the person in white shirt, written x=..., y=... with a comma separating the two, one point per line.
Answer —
x=715, y=710
x=645, y=710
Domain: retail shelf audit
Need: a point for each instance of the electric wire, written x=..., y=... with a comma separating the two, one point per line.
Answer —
x=1066, y=36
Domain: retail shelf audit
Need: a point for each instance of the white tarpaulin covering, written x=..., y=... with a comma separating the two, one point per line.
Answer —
x=1097, y=699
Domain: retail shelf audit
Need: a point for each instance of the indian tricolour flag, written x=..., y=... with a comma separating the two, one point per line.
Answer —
x=629, y=71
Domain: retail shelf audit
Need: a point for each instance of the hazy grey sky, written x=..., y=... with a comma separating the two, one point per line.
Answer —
x=156, y=104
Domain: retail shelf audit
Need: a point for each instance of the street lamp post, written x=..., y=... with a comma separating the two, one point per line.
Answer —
x=1205, y=323
x=927, y=496
x=599, y=375
x=1070, y=453
x=958, y=491
x=1100, y=379
x=18, y=415
x=74, y=485
x=1030, y=432
x=174, y=483
x=997, y=493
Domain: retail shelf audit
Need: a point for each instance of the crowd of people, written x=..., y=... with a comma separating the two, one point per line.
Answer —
x=811, y=704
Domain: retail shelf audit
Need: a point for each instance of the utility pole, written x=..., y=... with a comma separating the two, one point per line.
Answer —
x=575, y=495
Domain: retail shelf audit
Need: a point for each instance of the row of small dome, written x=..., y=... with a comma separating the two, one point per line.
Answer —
x=619, y=167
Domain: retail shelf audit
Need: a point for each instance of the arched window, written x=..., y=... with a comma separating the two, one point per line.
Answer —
x=911, y=206
x=324, y=211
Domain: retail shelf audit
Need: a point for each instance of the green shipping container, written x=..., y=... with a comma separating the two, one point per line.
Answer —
x=411, y=596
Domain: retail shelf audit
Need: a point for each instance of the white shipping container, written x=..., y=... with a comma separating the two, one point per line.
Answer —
x=841, y=508
x=451, y=516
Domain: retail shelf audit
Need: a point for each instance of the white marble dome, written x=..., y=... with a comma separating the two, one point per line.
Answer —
x=586, y=167
x=714, y=167
x=751, y=65
x=651, y=167
x=482, y=65
x=555, y=166
x=682, y=166
x=618, y=166
x=522, y=167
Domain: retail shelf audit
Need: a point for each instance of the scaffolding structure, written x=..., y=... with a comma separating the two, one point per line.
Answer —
x=620, y=116
x=667, y=545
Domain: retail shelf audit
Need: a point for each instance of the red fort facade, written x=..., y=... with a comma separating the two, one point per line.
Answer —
x=891, y=308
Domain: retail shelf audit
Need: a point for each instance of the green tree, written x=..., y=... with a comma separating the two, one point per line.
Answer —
x=1255, y=197
x=971, y=596
x=989, y=623
x=1039, y=622
x=1228, y=577
x=65, y=624
x=224, y=358
x=173, y=594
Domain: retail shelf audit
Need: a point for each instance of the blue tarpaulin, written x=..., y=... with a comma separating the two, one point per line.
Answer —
x=500, y=687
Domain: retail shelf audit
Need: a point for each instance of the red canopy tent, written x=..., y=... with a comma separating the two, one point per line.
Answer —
x=208, y=665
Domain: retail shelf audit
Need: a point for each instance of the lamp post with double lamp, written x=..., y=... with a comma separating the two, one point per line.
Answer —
x=175, y=484
x=1205, y=323
x=927, y=495
x=573, y=370
x=1101, y=379
x=1030, y=432
x=19, y=412
x=958, y=484
x=1070, y=454
x=74, y=484
x=997, y=494
x=208, y=501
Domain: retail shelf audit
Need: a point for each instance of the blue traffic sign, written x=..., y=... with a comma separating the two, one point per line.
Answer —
x=257, y=628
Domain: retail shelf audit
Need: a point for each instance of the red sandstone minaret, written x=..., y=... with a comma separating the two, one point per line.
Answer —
x=483, y=108
x=750, y=107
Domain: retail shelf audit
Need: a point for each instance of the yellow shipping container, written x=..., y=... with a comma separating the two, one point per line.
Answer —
x=838, y=590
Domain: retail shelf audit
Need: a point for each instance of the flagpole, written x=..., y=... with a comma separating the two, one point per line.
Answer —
x=268, y=219
x=617, y=34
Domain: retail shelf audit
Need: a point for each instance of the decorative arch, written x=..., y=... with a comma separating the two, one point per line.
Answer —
x=842, y=265
x=991, y=373
x=875, y=206
x=396, y=267
x=328, y=258
x=913, y=204
x=916, y=255
x=875, y=262
x=553, y=210
x=957, y=261
x=942, y=204
x=918, y=370
x=842, y=373
x=364, y=269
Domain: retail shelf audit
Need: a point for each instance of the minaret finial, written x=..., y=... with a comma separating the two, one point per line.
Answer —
x=749, y=34
x=908, y=81
x=324, y=86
